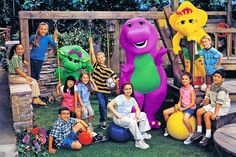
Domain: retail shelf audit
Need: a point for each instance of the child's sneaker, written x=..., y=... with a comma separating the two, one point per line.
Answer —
x=204, y=141
x=166, y=132
x=103, y=125
x=141, y=144
x=188, y=140
x=196, y=136
x=147, y=136
x=99, y=138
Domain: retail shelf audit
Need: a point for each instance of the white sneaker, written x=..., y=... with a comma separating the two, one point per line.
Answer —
x=140, y=144
x=166, y=133
x=147, y=136
x=188, y=140
x=144, y=143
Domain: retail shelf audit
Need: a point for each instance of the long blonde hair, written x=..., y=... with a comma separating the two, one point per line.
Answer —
x=37, y=34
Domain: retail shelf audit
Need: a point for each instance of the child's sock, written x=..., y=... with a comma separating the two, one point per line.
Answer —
x=199, y=128
x=208, y=133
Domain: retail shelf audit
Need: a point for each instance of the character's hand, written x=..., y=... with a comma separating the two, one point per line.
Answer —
x=59, y=84
x=29, y=79
x=213, y=117
x=216, y=66
x=177, y=107
x=90, y=39
x=118, y=116
x=51, y=150
x=176, y=49
x=181, y=109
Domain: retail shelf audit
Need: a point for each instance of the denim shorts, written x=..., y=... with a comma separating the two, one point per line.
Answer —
x=189, y=111
x=67, y=142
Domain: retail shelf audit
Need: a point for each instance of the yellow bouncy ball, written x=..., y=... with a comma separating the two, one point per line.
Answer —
x=176, y=127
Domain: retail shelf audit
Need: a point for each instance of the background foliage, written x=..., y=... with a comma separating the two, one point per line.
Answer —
x=77, y=30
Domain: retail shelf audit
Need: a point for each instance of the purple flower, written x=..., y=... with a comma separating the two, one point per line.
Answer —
x=36, y=145
x=26, y=139
x=42, y=132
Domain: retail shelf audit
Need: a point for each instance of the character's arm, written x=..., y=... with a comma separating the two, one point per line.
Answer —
x=159, y=54
x=219, y=62
x=126, y=71
x=176, y=42
x=111, y=106
x=50, y=142
x=217, y=108
x=91, y=51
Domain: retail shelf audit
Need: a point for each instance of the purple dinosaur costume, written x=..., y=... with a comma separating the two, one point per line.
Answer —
x=143, y=66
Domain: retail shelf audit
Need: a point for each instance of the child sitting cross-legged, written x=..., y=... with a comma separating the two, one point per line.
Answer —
x=217, y=103
x=64, y=132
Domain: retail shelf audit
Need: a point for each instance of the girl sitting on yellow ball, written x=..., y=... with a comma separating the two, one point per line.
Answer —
x=186, y=105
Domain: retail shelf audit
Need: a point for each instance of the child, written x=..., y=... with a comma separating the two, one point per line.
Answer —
x=69, y=94
x=85, y=86
x=217, y=103
x=39, y=42
x=17, y=75
x=186, y=104
x=64, y=132
x=100, y=75
x=123, y=116
x=212, y=60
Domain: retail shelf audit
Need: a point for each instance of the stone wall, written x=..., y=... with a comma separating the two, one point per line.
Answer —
x=47, y=81
x=22, y=109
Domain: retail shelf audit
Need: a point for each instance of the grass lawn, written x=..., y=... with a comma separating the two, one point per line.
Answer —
x=160, y=146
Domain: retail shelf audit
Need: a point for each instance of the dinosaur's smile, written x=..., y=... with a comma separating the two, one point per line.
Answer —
x=140, y=45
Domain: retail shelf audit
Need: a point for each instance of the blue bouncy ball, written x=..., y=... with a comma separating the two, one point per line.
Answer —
x=118, y=134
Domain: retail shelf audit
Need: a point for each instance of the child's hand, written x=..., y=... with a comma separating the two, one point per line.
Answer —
x=118, y=116
x=177, y=107
x=181, y=109
x=26, y=63
x=83, y=109
x=90, y=39
x=29, y=79
x=51, y=150
x=59, y=85
x=213, y=117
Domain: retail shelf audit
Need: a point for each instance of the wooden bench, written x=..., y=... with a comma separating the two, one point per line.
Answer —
x=22, y=109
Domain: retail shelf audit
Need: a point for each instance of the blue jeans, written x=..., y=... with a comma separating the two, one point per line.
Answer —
x=35, y=67
x=103, y=101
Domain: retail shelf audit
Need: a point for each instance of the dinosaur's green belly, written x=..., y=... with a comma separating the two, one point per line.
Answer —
x=145, y=77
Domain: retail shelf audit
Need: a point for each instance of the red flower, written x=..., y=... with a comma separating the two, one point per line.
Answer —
x=35, y=131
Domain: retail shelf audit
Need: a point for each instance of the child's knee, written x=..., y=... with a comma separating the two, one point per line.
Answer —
x=76, y=145
x=186, y=120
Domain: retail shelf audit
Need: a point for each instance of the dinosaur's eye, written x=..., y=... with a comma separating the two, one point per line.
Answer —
x=141, y=22
x=70, y=59
x=190, y=21
x=182, y=22
x=76, y=61
x=129, y=25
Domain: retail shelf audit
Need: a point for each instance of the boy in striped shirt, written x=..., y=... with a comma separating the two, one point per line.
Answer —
x=100, y=75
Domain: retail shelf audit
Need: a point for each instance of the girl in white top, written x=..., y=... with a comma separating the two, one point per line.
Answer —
x=121, y=107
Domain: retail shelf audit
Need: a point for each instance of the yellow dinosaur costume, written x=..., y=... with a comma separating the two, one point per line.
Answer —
x=188, y=22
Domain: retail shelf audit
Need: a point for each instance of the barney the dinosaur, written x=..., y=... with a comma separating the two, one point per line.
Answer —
x=143, y=66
